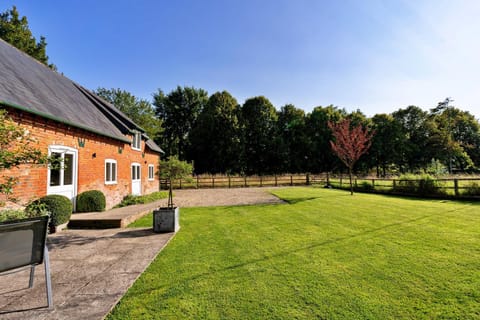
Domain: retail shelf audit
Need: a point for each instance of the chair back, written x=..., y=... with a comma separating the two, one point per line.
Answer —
x=22, y=242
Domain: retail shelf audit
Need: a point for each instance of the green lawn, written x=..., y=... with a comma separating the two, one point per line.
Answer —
x=325, y=254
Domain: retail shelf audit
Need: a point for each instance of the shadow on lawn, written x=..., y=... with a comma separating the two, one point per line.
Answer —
x=298, y=200
x=309, y=247
x=295, y=200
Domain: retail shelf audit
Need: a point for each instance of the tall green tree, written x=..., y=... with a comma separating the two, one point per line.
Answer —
x=386, y=143
x=459, y=133
x=260, y=139
x=294, y=139
x=215, y=139
x=179, y=111
x=321, y=158
x=15, y=30
x=419, y=145
x=139, y=110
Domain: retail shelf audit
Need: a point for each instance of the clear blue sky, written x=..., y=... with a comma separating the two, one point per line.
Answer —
x=373, y=55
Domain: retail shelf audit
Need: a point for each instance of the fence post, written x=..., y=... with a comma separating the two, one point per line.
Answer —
x=328, y=179
x=356, y=186
x=245, y=178
x=341, y=176
x=197, y=182
x=276, y=180
x=213, y=182
x=394, y=183
x=261, y=181
x=373, y=183
x=180, y=181
x=291, y=180
x=308, y=179
x=229, y=182
x=455, y=181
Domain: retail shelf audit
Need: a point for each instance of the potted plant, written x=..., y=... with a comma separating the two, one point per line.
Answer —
x=166, y=219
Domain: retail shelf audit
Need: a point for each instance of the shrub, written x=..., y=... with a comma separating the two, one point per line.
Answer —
x=473, y=189
x=59, y=207
x=365, y=186
x=12, y=214
x=35, y=210
x=423, y=185
x=90, y=201
x=131, y=200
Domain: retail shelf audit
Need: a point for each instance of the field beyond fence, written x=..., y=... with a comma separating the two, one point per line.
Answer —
x=454, y=187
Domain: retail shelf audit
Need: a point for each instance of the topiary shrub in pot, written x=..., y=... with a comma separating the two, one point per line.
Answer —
x=166, y=219
x=90, y=201
x=59, y=207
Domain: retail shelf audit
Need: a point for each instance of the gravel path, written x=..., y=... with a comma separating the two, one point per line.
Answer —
x=223, y=197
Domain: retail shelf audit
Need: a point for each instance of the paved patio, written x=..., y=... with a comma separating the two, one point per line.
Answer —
x=90, y=269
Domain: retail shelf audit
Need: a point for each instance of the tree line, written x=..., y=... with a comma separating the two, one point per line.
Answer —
x=219, y=135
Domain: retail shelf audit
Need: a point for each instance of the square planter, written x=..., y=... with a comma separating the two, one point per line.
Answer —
x=166, y=220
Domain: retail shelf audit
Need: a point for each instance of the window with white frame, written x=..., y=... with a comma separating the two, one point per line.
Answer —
x=137, y=140
x=110, y=171
x=151, y=172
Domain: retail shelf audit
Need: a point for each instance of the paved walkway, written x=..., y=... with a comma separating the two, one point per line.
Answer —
x=90, y=269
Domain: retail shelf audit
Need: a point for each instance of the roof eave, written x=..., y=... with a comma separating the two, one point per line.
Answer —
x=63, y=121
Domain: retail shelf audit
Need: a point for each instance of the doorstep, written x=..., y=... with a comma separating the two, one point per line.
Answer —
x=114, y=218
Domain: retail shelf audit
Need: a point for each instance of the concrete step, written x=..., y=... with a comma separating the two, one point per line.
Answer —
x=114, y=218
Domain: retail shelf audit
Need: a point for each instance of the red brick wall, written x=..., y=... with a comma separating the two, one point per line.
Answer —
x=91, y=168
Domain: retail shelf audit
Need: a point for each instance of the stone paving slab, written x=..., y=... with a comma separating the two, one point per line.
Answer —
x=90, y=269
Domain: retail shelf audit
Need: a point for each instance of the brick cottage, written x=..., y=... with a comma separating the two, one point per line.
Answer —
x=101, y=148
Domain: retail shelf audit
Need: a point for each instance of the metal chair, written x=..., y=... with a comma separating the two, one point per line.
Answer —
x=23, y=245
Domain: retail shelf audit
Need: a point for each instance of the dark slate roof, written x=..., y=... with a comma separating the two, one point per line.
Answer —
x=29, y=85
x=153, y=146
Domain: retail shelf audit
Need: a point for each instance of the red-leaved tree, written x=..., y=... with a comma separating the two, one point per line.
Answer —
x=350, y=143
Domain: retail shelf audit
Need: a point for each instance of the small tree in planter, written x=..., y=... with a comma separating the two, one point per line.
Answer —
x=167, y=219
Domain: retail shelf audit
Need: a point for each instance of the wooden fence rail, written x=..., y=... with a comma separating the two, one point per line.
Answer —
x=240, y=181
x=454, y=187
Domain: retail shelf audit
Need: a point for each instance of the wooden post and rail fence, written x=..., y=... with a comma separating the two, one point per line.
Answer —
x=451, y=187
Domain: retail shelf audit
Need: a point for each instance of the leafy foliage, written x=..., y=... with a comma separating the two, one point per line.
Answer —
x=320, y=158
x=129, y=200
x=473, y=189
x=293, y=139
x=259, y=135
x=16, y=148
x=216, y=136
x=59, y=207
x=173, y=169
x=15, y=30
x=17, y=214
x=179, y=111
x=421, y=185
x=138, y=110
x=91, y=201
x=350, y=143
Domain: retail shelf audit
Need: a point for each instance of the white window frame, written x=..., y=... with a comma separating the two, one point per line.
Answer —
x=111, y=161
x=152, y=176
x=137, y=141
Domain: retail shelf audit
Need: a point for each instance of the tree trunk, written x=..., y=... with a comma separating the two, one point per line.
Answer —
x=351, y=184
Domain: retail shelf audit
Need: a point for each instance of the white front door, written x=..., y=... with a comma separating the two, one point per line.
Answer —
x=136, y=179
x=62, y=175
